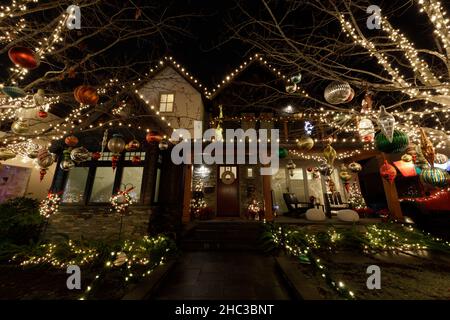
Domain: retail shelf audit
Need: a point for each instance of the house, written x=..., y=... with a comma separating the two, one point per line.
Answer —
x=170, y=194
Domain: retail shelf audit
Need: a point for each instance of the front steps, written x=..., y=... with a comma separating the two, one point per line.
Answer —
x=223, y=235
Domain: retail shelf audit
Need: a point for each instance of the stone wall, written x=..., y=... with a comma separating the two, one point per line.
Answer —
x=96, y=224
x=208, y=178
x=249, y=187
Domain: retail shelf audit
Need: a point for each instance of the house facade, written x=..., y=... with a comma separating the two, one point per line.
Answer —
x=176, y=194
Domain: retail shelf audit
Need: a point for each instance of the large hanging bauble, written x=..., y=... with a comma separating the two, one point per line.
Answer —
x=19, y=127
x=6, y=154
x=86, y=95
x=345, y=176
x=164, y=144
x=329, y=154
x=13, y=92
x=133, y=145
x=355, y=167
x=388, y=171
x=67, y=163
x=282, y=153
x=305, y=143
x=45, y=159
x=399, y=142
x=440, y=158
x=387, y=123
x=80, y=154
x=366, y=130
x=435, y=177
x=338, y=92
x=153, y=136
x=116, y=144
x=71, y=140
x=24, y=57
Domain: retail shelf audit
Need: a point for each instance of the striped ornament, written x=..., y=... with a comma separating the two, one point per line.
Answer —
x=435, y=177
x=399, y=142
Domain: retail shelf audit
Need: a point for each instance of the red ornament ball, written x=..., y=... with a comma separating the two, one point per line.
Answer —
x=153, y=136
x=42, y=114
x=71, y=141
x=86, y=95
x=24, y=57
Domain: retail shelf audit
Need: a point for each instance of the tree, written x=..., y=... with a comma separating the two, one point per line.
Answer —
x=329, y=40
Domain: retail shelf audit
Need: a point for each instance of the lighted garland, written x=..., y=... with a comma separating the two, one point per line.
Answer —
x=50, y=205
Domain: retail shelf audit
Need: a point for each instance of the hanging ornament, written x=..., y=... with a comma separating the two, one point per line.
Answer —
x=291, y=88
x=305, y=143
x=310, y=169
x=104, y=140
x=434, y=177
x=42, y=113
x=407, y=158
x=6, y=154
x=96, y=155
x=411, y=150
x=164, y=144
x=133, y=145
x=440, y=158
x=153, y=136
x=325, y=169
x=24, y=57
x=290, y=166
x=67, y=163
x=316, y=173
x=80, y=154
x=399, y=142
x=355, y=167
x=427, y=147
x=387, y=123
x=330, y=154
x=297, y=78
x=39, y=97
x=71, y=140
x=136, y=160
x=44, y=160
x=13, y=92
x=116, y=145
x=366, y=130
x=282, y=153
x=20, y=127
x=388, y=171
x=338, y=92
x=367, y=102
x=86, y=95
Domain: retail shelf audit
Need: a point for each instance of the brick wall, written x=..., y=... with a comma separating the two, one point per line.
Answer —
x=95, y=224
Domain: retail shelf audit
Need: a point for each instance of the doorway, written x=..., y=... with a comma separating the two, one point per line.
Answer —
x=228, y=191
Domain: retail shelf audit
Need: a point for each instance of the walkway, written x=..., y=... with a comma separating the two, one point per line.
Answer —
x=215, y=275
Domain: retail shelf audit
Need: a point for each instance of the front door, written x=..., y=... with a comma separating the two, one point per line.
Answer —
x=227, y=192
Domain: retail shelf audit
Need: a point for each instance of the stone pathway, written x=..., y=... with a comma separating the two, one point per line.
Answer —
x=223, y=275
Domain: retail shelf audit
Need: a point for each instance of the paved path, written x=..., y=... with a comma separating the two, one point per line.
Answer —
x=223, y=275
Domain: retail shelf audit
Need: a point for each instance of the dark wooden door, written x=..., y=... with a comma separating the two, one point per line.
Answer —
x=227, y=191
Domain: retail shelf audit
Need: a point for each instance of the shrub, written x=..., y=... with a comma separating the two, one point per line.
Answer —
x=20, y=221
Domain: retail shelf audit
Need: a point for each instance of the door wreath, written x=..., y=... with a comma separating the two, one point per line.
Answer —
x=227, y=177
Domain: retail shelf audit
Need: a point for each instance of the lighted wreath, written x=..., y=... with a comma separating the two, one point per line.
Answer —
x=121, y=201
x=227, y=177
x=50, y=205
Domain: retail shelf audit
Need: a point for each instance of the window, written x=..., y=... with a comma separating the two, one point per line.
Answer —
x=75, y=185
x=132, y=178
x=249, y=172
x=166, y=102
x=102, y=188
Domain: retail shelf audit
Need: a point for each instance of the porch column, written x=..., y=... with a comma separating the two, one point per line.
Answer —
x=267, y=193
x=390, y=190
x=186, y=218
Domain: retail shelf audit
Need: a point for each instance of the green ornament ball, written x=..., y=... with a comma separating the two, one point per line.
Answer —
x=282, y=153
x=399, y=142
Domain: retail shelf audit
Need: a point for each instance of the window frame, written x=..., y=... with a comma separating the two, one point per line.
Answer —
x=93, y=165
x=173, y=102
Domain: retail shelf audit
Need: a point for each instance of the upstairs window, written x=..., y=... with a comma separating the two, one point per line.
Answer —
x=166, y=102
